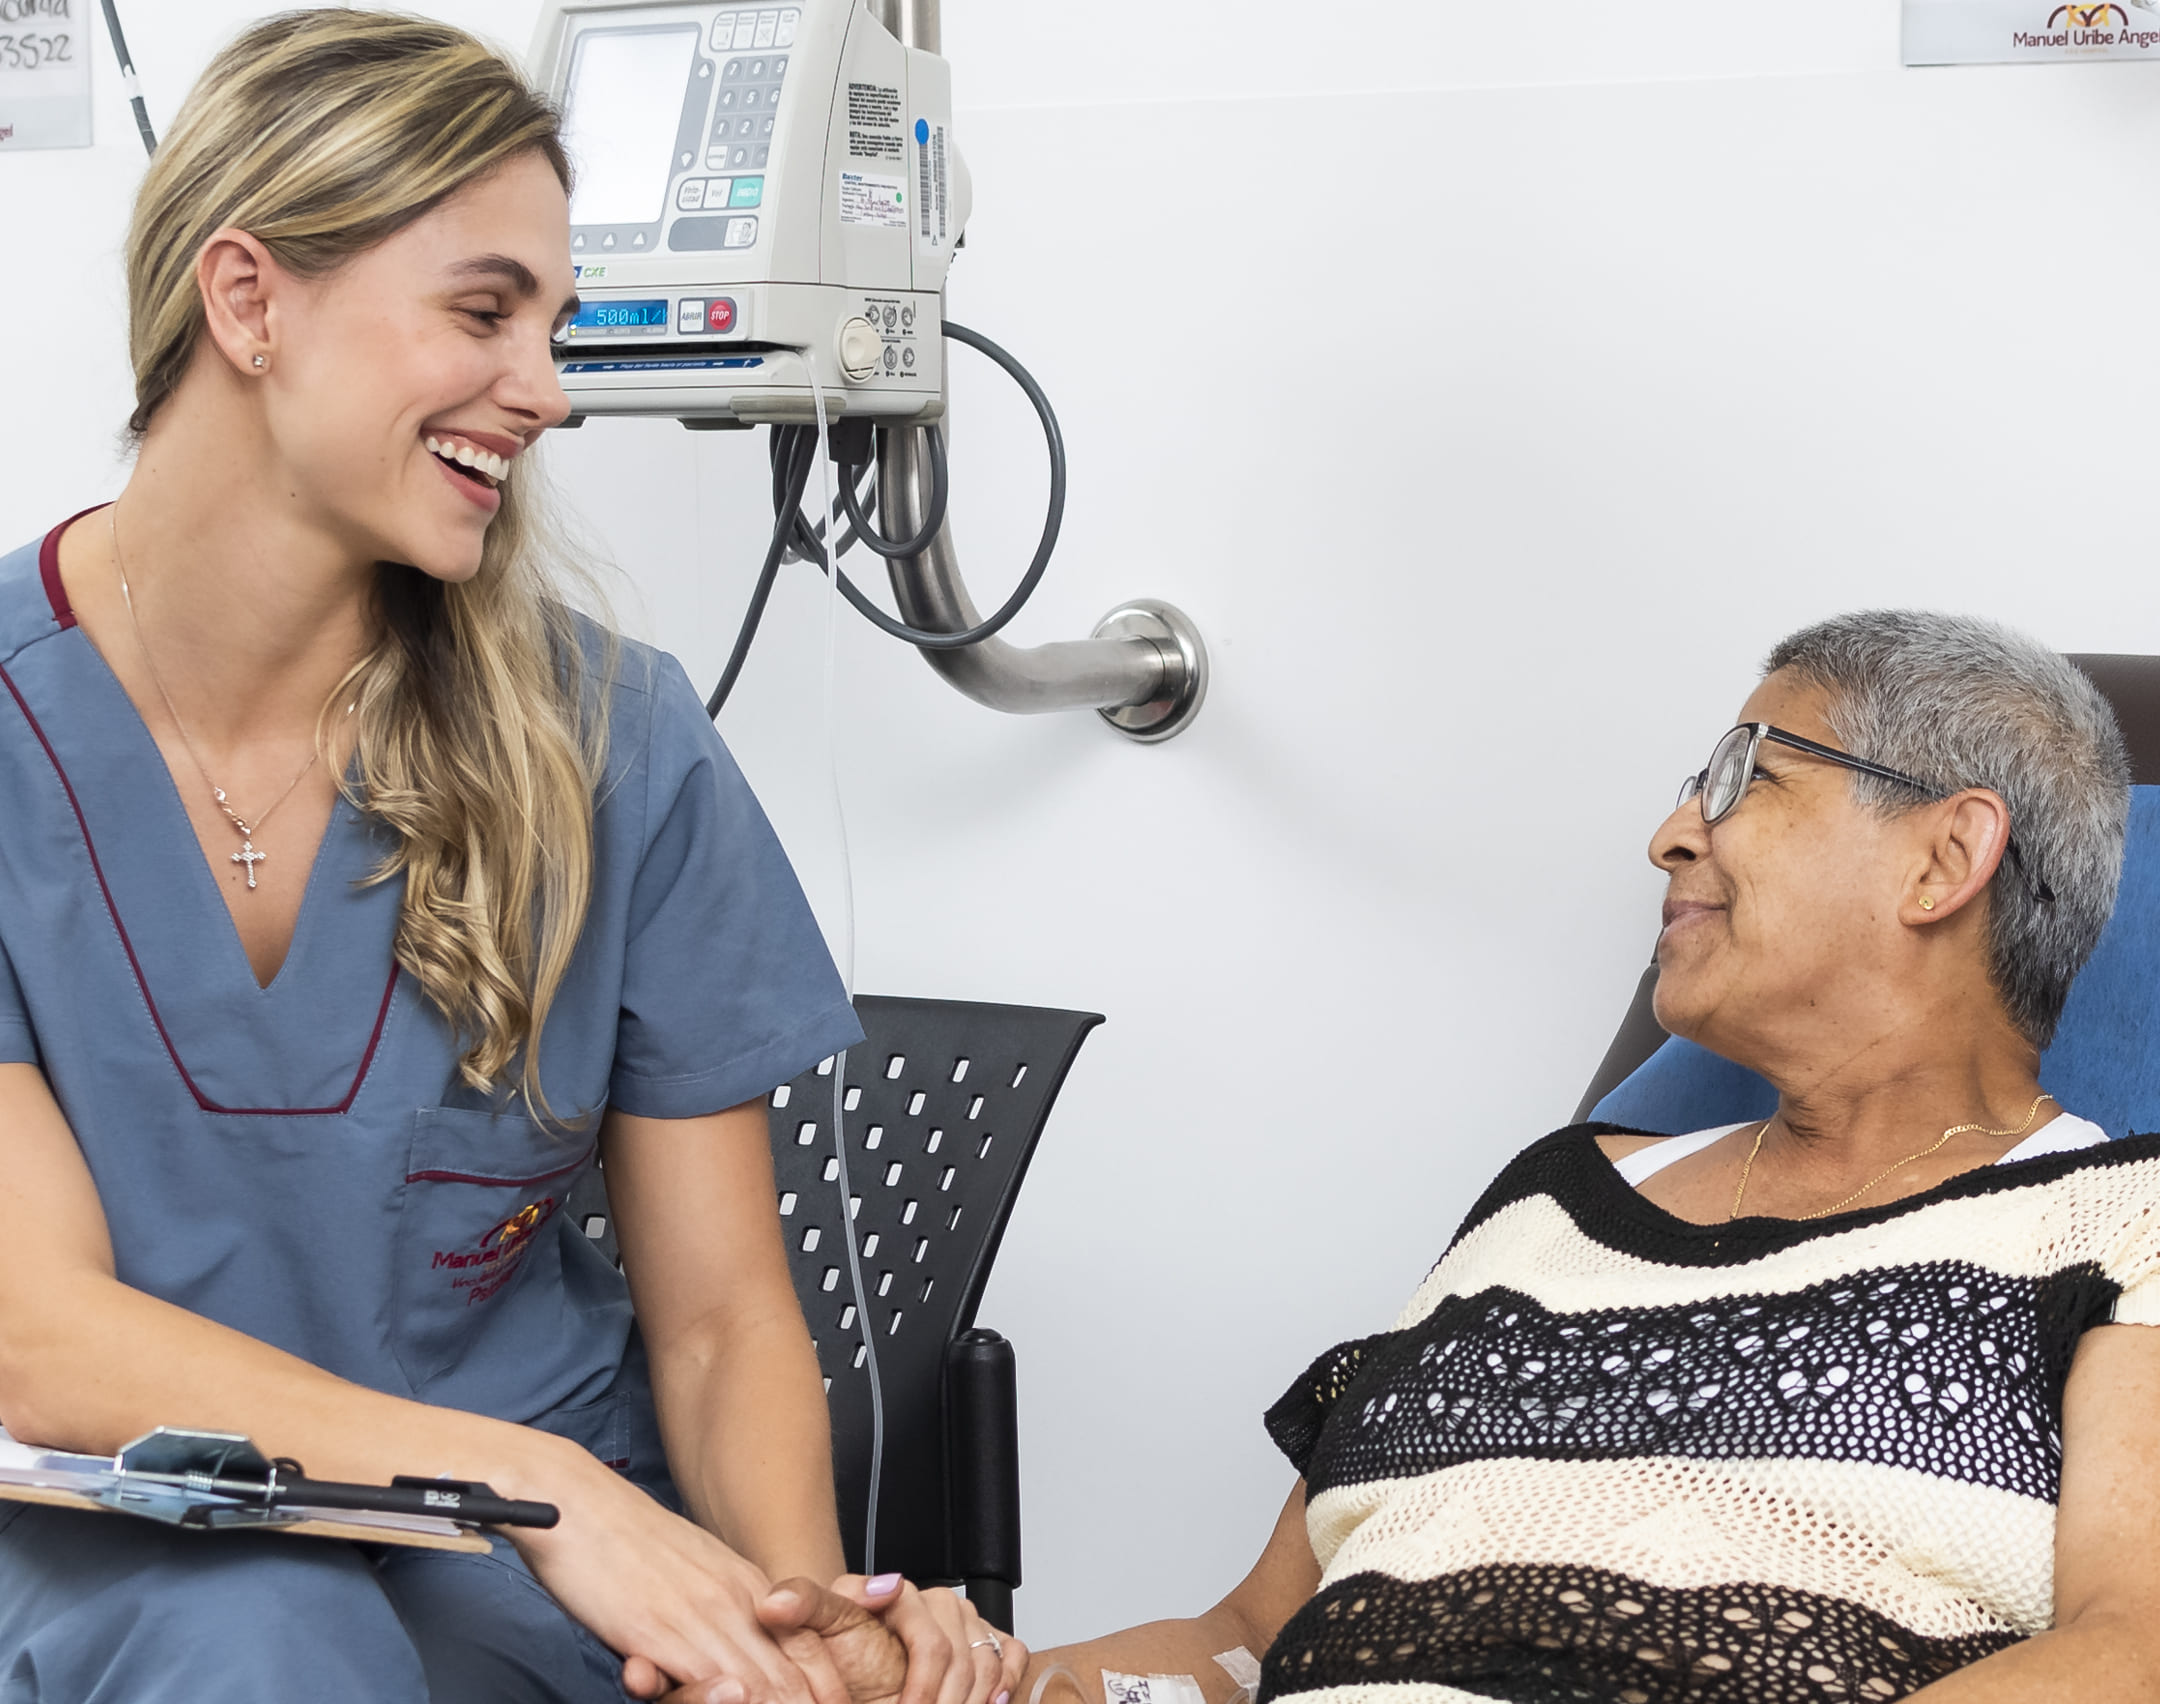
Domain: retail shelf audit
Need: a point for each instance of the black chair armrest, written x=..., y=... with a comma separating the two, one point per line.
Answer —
x=982, y=1406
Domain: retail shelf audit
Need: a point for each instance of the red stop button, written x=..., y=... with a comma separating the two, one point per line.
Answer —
x=721, y=315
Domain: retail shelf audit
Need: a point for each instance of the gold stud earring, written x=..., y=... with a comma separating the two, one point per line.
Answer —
x=1927, y=904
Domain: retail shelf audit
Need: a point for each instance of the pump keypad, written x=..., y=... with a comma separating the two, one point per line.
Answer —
x=772, y=26
x=747, y=112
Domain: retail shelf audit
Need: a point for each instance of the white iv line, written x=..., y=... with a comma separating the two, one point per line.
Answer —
x=847, y=979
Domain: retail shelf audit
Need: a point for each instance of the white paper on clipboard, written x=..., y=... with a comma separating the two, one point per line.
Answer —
x=45, y=74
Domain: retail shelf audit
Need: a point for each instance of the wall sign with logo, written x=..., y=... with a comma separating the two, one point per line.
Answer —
x=2018, y=32
x=44, y=74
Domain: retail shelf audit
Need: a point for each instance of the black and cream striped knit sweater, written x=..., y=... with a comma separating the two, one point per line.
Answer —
x=1607, y=1454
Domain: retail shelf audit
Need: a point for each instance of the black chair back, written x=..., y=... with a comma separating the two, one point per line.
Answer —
x=2131, y=686
x=941, y=1108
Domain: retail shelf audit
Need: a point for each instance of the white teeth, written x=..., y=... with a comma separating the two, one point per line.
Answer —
x=494, y=466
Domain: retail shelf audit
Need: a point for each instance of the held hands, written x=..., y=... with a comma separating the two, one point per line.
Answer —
x=648, y=1581
x=885, y=1641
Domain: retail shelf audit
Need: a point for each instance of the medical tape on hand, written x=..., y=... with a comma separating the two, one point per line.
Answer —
x=1150, y=1688
x=1242, y=1667
x=1056, y=1671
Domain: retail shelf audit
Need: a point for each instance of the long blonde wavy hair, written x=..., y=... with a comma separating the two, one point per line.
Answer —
x=477, y=739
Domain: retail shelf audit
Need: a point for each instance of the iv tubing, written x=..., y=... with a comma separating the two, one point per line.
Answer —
x=847, y=978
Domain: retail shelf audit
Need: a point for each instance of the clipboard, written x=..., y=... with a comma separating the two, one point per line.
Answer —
x=172, y=1477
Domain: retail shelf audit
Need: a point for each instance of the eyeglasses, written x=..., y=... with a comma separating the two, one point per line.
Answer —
x=1723, y=783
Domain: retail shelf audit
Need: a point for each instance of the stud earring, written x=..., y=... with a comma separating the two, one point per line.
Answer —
x=1927, y=904
x=262, y=361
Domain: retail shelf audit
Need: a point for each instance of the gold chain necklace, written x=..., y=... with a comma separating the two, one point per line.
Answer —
x=2032, y=1112
x=248, y=856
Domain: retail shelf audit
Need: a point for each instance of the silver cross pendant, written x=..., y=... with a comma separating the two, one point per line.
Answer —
x=250, y=857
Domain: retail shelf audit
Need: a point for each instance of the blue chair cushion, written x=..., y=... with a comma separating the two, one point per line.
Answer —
x=2104, y=1064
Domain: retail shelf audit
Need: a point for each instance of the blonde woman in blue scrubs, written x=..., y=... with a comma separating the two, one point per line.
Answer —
x=354, y=896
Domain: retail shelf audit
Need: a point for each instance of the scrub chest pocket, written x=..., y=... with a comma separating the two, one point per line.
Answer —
x=479, y=1247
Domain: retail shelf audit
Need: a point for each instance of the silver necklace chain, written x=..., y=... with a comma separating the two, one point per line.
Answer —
x=248, y=856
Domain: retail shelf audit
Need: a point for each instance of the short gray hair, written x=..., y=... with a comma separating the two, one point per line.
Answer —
x=1960, y=702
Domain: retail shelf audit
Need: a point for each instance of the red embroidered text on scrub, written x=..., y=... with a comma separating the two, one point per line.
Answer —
x=502, y=1249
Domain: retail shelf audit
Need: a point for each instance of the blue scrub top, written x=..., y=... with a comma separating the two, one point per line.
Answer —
x=301, y=1162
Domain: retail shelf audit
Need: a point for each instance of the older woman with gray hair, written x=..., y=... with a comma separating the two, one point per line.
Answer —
x=1847, y=1404
x=1844, y=1405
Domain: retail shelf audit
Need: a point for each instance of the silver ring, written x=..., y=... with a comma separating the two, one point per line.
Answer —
x=996, y=1644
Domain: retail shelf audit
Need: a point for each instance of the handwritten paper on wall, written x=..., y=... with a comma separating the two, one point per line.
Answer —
x=2016, y=32
x=44, y=74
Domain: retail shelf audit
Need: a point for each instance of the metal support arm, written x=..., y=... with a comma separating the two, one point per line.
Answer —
x=1145, y=668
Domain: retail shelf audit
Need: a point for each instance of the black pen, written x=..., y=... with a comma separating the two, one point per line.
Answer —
x=448, y=1499
x=286, y=1488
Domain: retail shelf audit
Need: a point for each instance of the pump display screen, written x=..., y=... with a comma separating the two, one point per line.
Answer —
x=611, y=316
x=623, y=104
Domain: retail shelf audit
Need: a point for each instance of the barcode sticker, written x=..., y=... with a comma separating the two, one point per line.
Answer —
x=933, y=189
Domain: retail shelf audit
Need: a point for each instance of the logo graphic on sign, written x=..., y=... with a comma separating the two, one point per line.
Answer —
x=2028, y=32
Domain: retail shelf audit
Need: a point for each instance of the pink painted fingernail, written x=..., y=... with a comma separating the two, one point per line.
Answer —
x=1002, y=1698
x=879, y=1584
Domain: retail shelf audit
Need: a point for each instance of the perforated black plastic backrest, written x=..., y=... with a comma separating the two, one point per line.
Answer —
x=2130, y=684
x=942, y=1109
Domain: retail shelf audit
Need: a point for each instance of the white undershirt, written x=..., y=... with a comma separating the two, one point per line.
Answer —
x=2058, y=1136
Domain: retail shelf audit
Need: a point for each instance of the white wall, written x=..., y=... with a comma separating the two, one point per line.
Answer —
x=1494, y=387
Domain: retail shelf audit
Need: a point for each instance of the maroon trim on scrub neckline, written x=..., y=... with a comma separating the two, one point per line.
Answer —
x=142, y=983
x=48, y=562
x=499, y=1182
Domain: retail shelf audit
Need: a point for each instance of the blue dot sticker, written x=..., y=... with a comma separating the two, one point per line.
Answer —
x=922, y=130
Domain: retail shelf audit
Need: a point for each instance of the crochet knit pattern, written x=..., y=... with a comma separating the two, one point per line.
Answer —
x=1607, y=1454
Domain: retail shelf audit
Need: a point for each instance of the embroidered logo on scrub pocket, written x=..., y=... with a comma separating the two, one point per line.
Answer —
x=483, y=1270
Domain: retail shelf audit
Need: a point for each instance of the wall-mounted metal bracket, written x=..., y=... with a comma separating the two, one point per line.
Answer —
x=1145, y=667
x=1185, y=668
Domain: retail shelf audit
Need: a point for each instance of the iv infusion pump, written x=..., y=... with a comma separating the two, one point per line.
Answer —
x=759, y=187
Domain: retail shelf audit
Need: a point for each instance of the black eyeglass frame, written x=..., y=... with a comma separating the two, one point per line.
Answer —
x=1696, y=786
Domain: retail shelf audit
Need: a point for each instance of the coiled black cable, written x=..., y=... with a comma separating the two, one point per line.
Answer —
x=792, y=449
x=933, y=521
x=794, y=452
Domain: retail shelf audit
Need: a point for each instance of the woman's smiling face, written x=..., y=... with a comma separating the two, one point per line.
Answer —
x=1780, y=910
x=402, y=387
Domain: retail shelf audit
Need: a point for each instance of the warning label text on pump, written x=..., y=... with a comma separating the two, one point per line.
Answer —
x=873, y=112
